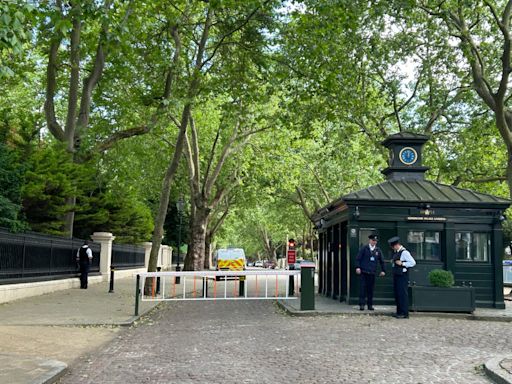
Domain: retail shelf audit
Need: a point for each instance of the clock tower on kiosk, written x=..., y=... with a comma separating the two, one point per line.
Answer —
x=405, y=156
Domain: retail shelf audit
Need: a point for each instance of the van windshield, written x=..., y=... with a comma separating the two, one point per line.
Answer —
x=230, y=254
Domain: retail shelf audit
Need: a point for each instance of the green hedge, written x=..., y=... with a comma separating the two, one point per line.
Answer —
x=441, y=278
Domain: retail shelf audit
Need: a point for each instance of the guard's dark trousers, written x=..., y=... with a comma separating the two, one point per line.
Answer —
x=366, y=289
x=84, y=275
x=400, y=283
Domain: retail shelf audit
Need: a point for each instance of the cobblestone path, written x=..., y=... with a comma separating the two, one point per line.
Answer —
x=254, y=342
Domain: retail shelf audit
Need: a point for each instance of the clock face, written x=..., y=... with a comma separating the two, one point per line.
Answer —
x=408, y=155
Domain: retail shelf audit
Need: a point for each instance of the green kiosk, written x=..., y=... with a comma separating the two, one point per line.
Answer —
x=443, y=227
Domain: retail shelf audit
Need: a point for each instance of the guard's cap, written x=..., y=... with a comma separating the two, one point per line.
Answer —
x=394, y=240
x=373, y=237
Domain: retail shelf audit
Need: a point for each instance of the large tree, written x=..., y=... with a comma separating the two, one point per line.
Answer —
x=226, y=39
x=482, y=32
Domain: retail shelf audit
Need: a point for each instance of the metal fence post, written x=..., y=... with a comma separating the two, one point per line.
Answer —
x=23, y=257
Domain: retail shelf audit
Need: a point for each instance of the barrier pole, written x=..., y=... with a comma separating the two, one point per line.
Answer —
x=111, y=290
x=137, y=293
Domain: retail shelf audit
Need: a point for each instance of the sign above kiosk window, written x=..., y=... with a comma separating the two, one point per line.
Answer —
x=425, y=218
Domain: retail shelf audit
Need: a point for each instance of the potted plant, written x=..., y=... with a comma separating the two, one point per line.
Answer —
x=442, y=295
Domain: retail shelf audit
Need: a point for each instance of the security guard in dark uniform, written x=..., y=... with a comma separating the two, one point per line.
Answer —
x=366, y=266
x=84, y=258
x=401, y=262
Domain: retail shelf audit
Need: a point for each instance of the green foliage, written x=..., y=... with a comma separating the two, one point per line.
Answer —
x=11, y=180
x=441, y=278
x=507, y=226
x=123, y=215
x=323, y=82
x=50, y=178
x=14, y=33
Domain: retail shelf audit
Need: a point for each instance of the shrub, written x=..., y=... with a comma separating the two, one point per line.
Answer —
x=441, y=278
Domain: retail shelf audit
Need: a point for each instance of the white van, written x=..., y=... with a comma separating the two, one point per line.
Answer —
x=230, y=259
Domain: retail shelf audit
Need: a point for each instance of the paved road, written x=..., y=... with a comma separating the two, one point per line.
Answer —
x=253, y=342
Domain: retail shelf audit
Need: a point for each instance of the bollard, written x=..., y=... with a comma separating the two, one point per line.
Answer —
x=307, y=288
x=291, y=285
x=137, y=294
x=158, y=269
x=205, y=286
x=177, y=278
x=241, y=286
x=111, y=290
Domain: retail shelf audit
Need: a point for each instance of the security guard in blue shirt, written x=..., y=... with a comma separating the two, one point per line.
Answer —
x=366, y=266
x=402, y=260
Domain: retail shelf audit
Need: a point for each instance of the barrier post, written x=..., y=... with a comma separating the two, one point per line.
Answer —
x=291, y=286
x=158, y=269
x=205, y=286
x=241, y=288
x=111, y=290
x=137, y=293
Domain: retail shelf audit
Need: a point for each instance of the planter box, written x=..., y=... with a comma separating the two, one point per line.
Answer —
x=437, y=299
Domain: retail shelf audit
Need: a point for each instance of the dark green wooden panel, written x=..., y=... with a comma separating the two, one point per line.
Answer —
x=481, y=277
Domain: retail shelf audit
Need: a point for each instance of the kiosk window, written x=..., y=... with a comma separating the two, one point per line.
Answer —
x=363, y=235
x=424, y=245
x=472, y=246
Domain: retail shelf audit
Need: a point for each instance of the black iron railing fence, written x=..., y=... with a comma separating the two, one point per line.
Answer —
x=31, y=256
x=127, y=256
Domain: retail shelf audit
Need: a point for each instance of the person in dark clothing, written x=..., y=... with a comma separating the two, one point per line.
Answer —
x=84, y=259
x=366, y=267
x=401, y=262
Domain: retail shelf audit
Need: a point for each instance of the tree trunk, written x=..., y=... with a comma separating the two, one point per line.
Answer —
x=69, y=218
x=158, y=231
x=509, y=170
x=208, y=250
x=197, y=247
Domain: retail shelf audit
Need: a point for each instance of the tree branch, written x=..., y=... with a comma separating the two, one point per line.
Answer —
x=120, y=135
x=74, y=77
x=91, y=81
x=195, y=149
x=51, y=83
x=244, y=23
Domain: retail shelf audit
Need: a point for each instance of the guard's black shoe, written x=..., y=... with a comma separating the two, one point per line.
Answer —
x=371, y=309
x=361, y=307
x=401, y=316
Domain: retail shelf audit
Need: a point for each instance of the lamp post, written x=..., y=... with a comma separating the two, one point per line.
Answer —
x=179, y=206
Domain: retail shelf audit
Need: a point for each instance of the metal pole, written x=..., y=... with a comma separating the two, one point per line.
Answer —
x=291, y=285
x=111, y=290
x=158, y=269
x=178, y=268
x=205, y=286
x=137, y=293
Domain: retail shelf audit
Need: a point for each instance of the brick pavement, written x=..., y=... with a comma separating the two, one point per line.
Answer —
x=254, y=342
